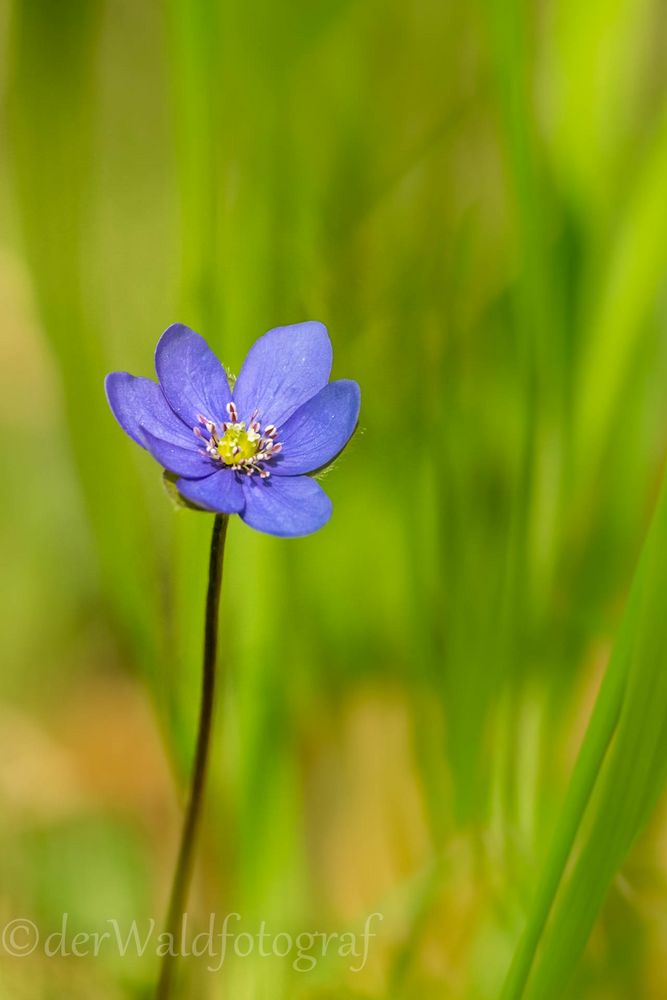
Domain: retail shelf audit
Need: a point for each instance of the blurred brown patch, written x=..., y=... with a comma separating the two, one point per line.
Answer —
x=110, y=734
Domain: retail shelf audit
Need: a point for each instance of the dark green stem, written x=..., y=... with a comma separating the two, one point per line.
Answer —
x=183, y=874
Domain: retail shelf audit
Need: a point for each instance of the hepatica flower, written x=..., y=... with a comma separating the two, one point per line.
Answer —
x=251, y=450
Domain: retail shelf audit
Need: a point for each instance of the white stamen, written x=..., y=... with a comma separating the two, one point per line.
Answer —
x=263, y=440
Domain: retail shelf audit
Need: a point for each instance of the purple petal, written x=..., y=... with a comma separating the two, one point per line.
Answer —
x=283, y=369
x=192, y=378
x=319, y=429
x=286, y=507
x=221, y=492
x=182, y=461
x=139, y=405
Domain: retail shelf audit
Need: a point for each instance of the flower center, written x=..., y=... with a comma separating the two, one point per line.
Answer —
x=243, y=448
x=238, y=444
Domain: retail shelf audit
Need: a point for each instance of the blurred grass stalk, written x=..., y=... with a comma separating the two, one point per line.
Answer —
x=51, y=111
x=614, y=789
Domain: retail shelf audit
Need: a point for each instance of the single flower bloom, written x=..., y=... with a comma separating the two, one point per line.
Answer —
x=248, y=451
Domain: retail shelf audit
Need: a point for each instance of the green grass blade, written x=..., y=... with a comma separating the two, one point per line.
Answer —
x=51, y=107
x=634, y=776
x=630, y=770
x=634, y=273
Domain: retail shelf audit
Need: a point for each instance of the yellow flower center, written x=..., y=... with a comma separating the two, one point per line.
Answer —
x=238, y=444
x=245, y=449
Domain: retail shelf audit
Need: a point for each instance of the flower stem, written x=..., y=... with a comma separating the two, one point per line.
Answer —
x=183, y=874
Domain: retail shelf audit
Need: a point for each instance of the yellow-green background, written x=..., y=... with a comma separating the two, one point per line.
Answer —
x=473, y=198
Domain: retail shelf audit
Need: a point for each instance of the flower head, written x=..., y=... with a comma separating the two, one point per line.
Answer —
x=246, y=452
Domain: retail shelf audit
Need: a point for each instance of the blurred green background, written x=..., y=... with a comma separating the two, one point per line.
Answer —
x=473, y=198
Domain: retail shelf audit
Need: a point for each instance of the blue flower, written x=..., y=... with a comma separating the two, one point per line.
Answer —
x=249, y=451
